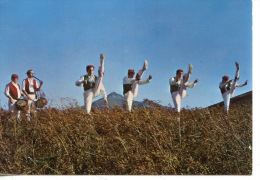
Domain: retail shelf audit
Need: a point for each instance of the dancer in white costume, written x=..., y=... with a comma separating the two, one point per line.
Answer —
x=131, y=84
x=92, y=84
x=178, y=85
x=227, y=88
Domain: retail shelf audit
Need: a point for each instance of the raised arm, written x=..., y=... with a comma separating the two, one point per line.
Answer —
x=241, y=85
x=38, y=88
x=191, y=85
x=141, y=82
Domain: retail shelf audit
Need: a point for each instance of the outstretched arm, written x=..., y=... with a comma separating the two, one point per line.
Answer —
x=241, y=85
x=141, y=82
x=191, y=85
x=80, y=81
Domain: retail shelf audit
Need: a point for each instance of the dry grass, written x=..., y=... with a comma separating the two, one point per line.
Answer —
x=112, y=141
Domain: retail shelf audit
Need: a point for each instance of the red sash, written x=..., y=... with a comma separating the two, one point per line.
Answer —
x=13, y=90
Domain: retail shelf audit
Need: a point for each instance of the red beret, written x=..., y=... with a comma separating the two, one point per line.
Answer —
x=225, y=78
x=131, y=71
x=29, y=71
x=178, y=71
x=89, y=66
x=14, y=76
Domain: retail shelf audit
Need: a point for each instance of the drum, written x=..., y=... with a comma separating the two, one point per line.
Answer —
x=21, y=104
x=40, y=103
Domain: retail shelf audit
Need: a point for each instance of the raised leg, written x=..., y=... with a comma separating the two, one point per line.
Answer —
x=186, y=78
x=233, y=86
x=98, y=84
x=141, y=71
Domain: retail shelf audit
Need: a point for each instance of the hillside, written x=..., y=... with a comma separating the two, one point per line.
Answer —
x=241, y=99
x=111, y=141
x=115, y=99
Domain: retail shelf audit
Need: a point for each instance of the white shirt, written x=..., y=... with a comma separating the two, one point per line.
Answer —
x=7, y=90
x=91, y=79
x=82, y=78
x=173, y=81
x=31, y=87
x=127, y=80
x=223, y=84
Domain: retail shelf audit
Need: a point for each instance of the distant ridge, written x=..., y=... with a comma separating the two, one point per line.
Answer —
x=245, y=98
x=114, y=99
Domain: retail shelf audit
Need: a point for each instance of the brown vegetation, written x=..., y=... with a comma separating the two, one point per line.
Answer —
x=112, y=141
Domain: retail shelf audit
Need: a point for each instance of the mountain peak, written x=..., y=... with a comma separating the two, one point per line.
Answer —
x=113, y=94
x=115, y=99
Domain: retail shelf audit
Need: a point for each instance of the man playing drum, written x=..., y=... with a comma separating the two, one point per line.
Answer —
x=178, y=87
x=13, y=92
x=29, y=88
x=131, y=84
x=92, y=84
x=227, y=88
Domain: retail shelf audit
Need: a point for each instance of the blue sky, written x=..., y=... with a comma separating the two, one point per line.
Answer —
x=57, y=39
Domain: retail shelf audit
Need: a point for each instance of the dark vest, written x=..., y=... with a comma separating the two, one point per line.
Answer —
x=27, y=86
x=175, y=87
x=127, y=88
x=89, y=84
x=225, y=88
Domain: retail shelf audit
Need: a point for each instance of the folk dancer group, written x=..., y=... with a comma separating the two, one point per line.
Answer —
x=93, y=86
x=178, y=85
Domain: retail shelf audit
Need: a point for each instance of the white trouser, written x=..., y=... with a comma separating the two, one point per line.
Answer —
x=31, y=104
x=92, y=93
x=227, y=95
x=130, y=95
x=178, y=95
x=13, y=110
